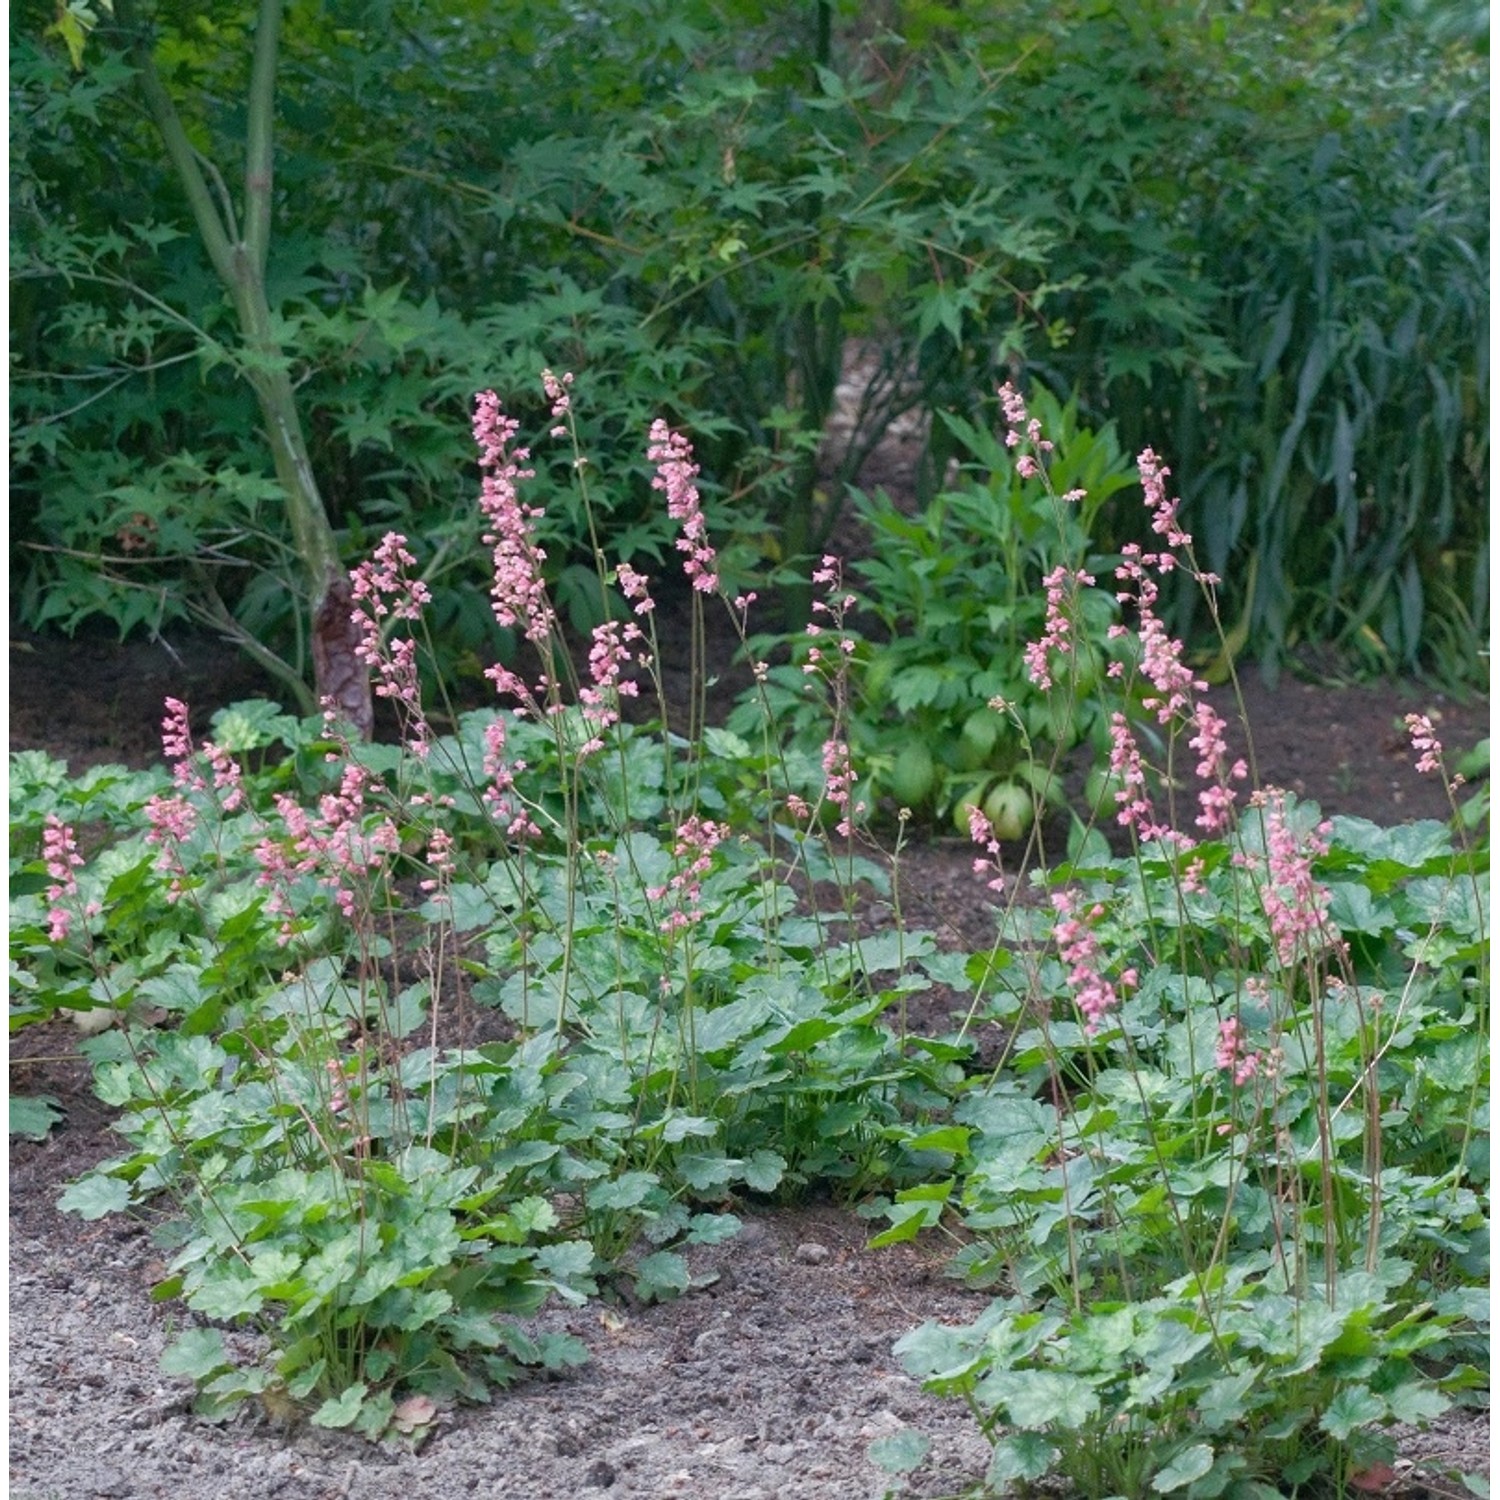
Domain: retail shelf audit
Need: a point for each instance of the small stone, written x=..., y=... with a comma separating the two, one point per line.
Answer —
x=810, y=1253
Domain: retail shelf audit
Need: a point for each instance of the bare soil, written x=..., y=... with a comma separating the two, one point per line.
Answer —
x=769, y=1382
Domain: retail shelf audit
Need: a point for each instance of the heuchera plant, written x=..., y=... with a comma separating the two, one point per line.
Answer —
x=294, y=953
x=415, y=1036
x=1216, y=1240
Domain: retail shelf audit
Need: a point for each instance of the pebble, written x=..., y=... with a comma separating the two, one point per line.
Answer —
x=811, y=1253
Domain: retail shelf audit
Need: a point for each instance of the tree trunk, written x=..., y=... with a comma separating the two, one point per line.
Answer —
x=340, y=678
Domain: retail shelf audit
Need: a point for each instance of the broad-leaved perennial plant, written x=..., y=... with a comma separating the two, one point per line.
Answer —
x=413, y=1036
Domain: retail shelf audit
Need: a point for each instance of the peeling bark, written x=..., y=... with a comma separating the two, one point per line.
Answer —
x=342, y=678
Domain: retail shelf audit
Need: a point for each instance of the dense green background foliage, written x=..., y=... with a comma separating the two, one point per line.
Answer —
x=1252, y=238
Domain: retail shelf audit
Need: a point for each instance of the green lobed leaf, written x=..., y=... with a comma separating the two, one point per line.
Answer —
x=1042, y=1400
x=341, y=1410
x=628, y=1190
x=94, y=1196
x=1354, y=1406
x=1020, y=1457
x=764, y=1170
x=1416, y=1402
x=711, y=1229
x=901, y=1452
x=1186, y=1465
x=33, y=1115
x=661, y=1276
x=196, y=1353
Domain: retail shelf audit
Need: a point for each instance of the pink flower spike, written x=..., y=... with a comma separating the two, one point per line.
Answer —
x=1079, y=948
x=519, y=592
x=384, y=588
x=61, y=857
x=1230, y=1055
x=1062, y=591
x=675, y=472
x=1295, y=904
x=1425, y=742
x=635, y=587
x=840, y=778
x=557, y=394
x=176, y=735
x=1154, y=475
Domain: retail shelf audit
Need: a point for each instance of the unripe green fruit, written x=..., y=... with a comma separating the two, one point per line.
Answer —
x=977, y=739
x=961, y=812
x=912, y=775
x=1011, y=811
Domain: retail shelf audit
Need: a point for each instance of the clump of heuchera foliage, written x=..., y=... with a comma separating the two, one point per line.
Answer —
x=1223, y=1171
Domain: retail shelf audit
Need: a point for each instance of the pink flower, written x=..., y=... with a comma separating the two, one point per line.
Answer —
x=174, y=818
x=1295, y=904
x=383, y=588
x=839, y=778
x=501, y=775
x=697, y=838
x=227, y=784
x=1230, y=1055
x=1126, y=766
x=1217, y=800
x=634, y=586
x=1057, y=636
x=835, y=608
x=518, y=592
x=1154, y=476
x=177, y=746
x=557, y=394
x=440, y=862
x=675, y=472
x=1424, y=740
x=176, y=733
x=1161, y=655
x=1079, y=948
x=60, y=855
x=609, y=653
x=333, y=846
x=982, y=832
x=1016, y=419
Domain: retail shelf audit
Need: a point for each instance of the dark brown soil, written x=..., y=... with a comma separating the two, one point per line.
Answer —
x=771, y=1383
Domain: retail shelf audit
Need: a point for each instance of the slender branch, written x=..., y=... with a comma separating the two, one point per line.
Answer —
x=135, y=289
x=112, y=373
x=179, y=148
x=216, y=613
x=259, y=133
x=222, y=189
